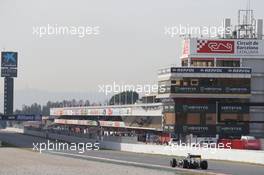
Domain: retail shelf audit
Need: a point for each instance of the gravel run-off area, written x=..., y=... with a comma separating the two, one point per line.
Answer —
x=15, y=161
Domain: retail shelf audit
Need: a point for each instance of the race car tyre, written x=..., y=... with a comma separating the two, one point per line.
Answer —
x=204, y=165
x=185, y=164
x=173, y=163
x=194, y=165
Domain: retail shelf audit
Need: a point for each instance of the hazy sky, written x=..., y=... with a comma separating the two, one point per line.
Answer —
x=130, y=48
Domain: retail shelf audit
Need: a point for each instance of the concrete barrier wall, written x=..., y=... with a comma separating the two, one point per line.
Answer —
x=34, y=133
x=53, y=136
x=120, y=139
x=250, y=156
x=10, y=129
x=71, y=139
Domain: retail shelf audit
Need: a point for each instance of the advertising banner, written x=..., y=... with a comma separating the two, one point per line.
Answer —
x=9, y=59
x=91, y=111
x=197, y=129
x=6, y=72
x=112, y=124
x=76, y=122
x=226, y=46
x=234, y=108
x=226, y=130
x=249, y=47
x=109, y=111
x=211, y=108
x=210, y=70
x=215, y=46
x=209, y=130
x=208, y=90
x=20, y=117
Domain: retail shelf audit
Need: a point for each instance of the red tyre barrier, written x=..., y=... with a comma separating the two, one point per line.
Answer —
x=225, y=142
x=253, y=144
x=165, y=138
x=241, y=144
x=238, y=144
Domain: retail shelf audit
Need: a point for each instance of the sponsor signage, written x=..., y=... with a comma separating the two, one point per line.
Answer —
x=112, y=124
x=118, y=111
x=21, y=117
x=207, y=90
x=207, y=130
x=211, y=108
x=195, y=108
x=234, y=109
x=12, y=117
x=215, y=46
x=76, y=122
x=98, y=111
x=90, y=111
x=9, y=64
x=197, y=129
x=225, y=46
x=6, y=72
x=210, y=70
x=57, y=111
x=246, y=108
x=109, y=111
x=233, y=130
x=249, y=47
x=9, y=59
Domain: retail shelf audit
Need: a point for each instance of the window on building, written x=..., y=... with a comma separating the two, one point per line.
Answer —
x=175, y=82
x=185, y=83
x=193, y=119
x=226, y=63
x=202, y=63
x=185, y=62
x=210, y=119
x=194, y=82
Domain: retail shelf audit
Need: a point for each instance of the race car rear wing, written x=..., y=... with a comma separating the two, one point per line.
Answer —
x=195, y=156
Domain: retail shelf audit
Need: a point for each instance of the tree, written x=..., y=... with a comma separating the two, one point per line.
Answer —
x=44, y=110
x=126, y=97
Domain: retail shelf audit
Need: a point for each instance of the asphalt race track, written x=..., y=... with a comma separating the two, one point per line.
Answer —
x=221, y=167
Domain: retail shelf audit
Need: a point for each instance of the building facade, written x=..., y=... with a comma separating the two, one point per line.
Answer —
x=208, y=95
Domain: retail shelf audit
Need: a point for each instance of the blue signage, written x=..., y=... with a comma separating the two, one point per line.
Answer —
x=21, y=117
x=211, y=70
x=9, y=59
x=7, y=72
x=205, y=70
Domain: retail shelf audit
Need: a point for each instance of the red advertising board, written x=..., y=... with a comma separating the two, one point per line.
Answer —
x=215, y=46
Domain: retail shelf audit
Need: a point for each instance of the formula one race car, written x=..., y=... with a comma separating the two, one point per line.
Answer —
x=190, y=162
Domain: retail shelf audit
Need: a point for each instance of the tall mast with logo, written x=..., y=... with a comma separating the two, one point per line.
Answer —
x=8, y=71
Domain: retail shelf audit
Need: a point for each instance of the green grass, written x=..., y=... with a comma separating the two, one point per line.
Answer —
x=5, y=144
